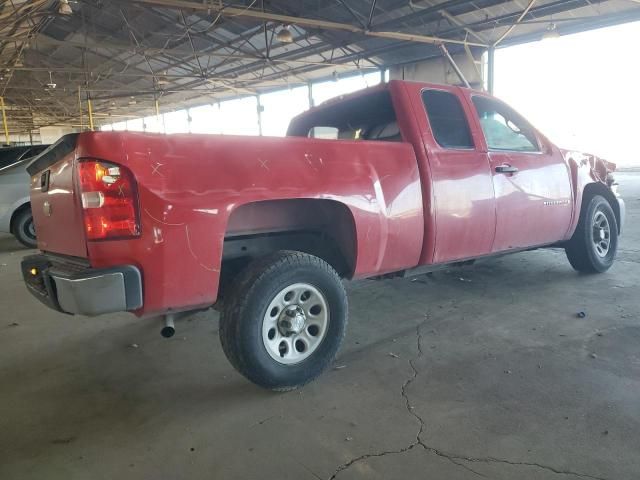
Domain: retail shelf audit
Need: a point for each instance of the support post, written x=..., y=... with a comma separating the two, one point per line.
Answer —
x=90, y=113
x=454, y=65
x=80, y=108
x=4, y=121
x=157, y=103
x=490, y=69
x=259, y=109
x=310, y=93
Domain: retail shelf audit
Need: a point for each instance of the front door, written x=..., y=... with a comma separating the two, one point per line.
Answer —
x=530, y=179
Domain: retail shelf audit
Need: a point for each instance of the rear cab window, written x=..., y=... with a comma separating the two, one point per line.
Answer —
x=504, y=129
x=448, y=120
x=365, y=117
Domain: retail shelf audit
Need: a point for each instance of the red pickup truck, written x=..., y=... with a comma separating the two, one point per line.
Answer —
x=394, y=180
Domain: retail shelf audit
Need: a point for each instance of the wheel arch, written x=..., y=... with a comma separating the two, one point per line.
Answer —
x=596, y=188
x=322, y=227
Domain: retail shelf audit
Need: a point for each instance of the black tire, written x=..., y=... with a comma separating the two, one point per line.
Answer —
x=24, y=229
x=245, y=310
x=583, y=251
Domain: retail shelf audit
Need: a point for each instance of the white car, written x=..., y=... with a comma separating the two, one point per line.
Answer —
x=15, y=205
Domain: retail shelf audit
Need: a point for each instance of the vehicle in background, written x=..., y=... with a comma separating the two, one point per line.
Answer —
x=406, y=178
x=15, y=204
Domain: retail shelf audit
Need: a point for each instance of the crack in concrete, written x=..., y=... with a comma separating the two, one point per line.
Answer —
x=408, y=406
x=353, y=461
x=455, y=462
x=509, y=462
x=309, y=470
x=455, y=459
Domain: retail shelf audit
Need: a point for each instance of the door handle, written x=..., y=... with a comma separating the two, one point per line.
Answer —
x=506, y=169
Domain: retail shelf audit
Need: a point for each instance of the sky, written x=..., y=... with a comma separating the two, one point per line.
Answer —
x=581, y=90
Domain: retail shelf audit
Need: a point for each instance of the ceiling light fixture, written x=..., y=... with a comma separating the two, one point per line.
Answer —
x=284, y=35
x=50, y=85
x=64, y=8
x=162, y=79
x=551, y=32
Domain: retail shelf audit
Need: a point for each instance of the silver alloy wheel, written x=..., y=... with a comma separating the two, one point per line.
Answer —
x=295, y=323
x=601, y=234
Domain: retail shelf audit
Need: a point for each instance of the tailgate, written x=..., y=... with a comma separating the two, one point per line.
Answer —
x=54, y=202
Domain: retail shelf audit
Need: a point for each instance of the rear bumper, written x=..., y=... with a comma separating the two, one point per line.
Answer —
x=74, y=289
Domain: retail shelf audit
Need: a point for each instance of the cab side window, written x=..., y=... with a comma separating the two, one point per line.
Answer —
x=503, y=128
x=447, y=119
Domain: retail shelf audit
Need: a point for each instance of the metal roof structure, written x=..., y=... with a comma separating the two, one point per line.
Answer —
x=125, y=54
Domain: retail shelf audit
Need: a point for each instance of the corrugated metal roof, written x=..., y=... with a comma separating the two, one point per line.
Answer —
x=187, y=52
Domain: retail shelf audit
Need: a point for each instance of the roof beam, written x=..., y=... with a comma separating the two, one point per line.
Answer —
x=547, y=9
x=306, y=22
x=457, y=22
x=515, y=24
x=372, y=12
x=352, y=12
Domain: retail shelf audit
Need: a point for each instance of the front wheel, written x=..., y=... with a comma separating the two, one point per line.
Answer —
x=593, y=247
x=284, y=320
x=24, y=229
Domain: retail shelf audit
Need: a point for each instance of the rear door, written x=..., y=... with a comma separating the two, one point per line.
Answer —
x=530, y=178
x=55, y=207
x=462, y=213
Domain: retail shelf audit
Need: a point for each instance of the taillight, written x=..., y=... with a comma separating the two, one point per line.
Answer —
x=109, y=200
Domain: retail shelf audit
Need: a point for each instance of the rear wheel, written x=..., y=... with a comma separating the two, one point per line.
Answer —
x=284, y=320
x=592, y=249
x=24, y=229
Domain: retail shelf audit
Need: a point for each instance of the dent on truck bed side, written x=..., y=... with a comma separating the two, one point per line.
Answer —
x=189, y=186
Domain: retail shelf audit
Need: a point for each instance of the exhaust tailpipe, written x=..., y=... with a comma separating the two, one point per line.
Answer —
x=169, y=329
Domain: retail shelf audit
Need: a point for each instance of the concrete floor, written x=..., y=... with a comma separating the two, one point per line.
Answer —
x=485, y=371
